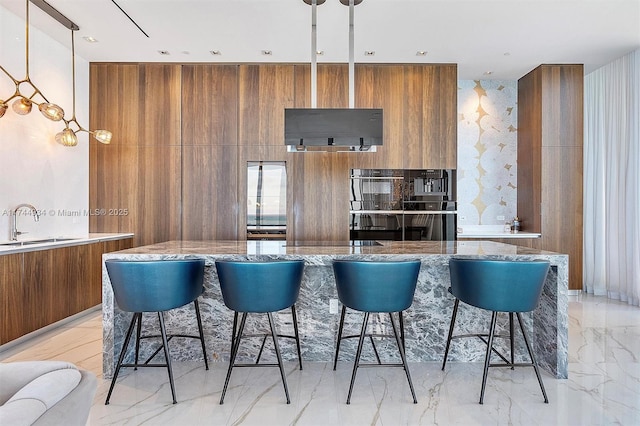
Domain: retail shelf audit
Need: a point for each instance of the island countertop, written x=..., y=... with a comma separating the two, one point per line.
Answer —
x=335, y=248
x=427, y=320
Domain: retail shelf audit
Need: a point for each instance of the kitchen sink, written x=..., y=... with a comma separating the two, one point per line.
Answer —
x=31, y=242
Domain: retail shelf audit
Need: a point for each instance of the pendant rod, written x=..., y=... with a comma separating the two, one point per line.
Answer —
x=352, y=94
x=314, y=55
x=26, y=40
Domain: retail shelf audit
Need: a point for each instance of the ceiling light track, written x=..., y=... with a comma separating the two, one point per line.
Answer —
x=130, y=18
x=55, y=14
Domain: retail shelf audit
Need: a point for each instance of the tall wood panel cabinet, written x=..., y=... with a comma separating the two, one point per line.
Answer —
x=210, y=207
x=550, y=156
x=139, y=173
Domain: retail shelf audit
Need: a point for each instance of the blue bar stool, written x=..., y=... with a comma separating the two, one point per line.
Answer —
x=260, y=287
x=375, y=287
x=497, y=286
x=155, y=286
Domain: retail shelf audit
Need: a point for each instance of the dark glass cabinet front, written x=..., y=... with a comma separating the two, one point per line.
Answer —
x=411, y=205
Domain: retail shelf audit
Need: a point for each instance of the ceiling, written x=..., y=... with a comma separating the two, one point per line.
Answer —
x=501, y=39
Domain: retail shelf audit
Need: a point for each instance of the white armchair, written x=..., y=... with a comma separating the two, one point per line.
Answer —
x=45, y=393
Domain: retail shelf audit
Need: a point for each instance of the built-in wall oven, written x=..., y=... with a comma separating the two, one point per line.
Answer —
x=395, y=204
x=376, y=204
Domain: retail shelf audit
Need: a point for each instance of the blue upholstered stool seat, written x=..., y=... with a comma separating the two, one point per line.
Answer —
x=155, y=286
x=260, y=287
x=375, y=287
x=497, y=286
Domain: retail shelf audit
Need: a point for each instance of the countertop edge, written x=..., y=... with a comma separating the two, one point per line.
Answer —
x=92, y=237
x=500, y=235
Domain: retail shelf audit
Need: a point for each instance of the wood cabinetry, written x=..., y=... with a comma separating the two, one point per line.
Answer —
x=11, y=297
x=41, y=287
x=550, y=153
x=139, y=172
x=190, y=184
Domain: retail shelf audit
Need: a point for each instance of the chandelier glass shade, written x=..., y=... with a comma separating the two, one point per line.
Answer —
x=52, y=111
x=22, y=106
x=67, y=137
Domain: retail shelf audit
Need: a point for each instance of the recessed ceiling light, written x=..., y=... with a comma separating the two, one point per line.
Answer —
x=90, y=39
x=267, y=52
x=215, y=52
x=369, y=52
x=421, y=53
x=163, y=52
x=488, y=72
x=319, y=52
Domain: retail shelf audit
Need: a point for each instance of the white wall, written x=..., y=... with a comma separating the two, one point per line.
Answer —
x=487, y=151
x=33, y=167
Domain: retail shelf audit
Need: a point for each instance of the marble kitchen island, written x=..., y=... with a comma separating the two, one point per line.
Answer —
x=426, y=322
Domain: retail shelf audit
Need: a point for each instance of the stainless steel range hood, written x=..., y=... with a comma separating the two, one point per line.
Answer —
x=333, y=129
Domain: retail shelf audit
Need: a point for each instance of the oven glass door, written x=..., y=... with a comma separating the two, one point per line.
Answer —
x=375, y=225
x=427, y=225
x=376, y=189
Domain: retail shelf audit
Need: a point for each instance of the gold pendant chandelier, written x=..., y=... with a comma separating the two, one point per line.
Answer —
x=27, y=94
x=68, y=136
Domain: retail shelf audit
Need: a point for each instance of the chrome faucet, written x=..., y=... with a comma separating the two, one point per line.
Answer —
x=14, y=219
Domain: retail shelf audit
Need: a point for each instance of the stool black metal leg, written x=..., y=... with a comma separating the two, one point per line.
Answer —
x=511, y=337
x=121, y=357
x=296, y=334
x=234, y=351
x=533, y=359
x=453, y=322
x=342, y=314
x=356, y=363
x=487, y=358
x=233, y=332
x=403, y=355
x=204, y=349
x=264, y=341
x=167, y=356
x=401, y=320
x=274, y=334
x=138, y=333
x=375, y=350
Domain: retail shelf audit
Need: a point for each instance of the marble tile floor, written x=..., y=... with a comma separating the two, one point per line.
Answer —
x=603, y=386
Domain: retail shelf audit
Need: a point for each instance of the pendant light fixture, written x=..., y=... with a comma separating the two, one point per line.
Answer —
x=23, y=104
x=69, y=136
x=23, y=101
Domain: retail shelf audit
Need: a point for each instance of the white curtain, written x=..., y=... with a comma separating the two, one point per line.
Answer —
x=612, y=180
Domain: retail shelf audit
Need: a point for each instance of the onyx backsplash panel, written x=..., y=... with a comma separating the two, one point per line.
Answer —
x=487, y=151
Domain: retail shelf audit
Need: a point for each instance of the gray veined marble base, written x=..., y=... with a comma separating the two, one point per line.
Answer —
x=426, y=322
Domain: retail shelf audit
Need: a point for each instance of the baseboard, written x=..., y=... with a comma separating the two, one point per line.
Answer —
x=34, y=335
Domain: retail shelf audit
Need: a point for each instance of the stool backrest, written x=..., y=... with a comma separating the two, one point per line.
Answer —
x=498, y=285
x=270, y=286
x=369, y=286
x=157, y=285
